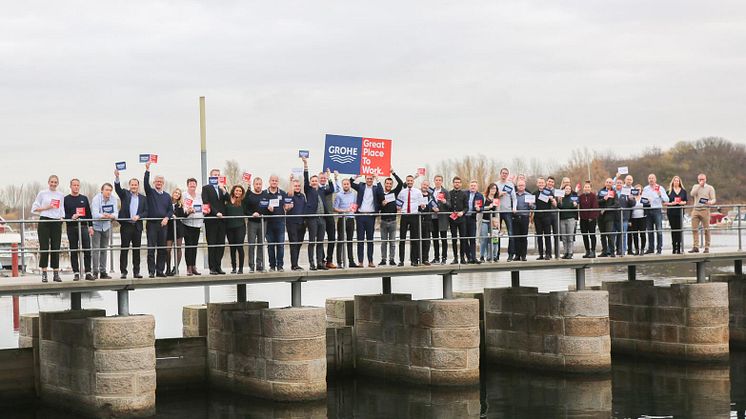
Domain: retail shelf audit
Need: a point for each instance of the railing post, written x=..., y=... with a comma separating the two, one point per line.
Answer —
x=241, y=293
x=123, y=302
x=738, y=211
x=448, y=286
x=295, y=294
x=175, y=246
x=701, y=278
x=386, y=285
x=579, y=279
x=515, y=279
x=631, y=272
x=556, y=237
x=738, y=266
x=111, y=247
x=75, y=301
x=419, y=235
x=81, y=268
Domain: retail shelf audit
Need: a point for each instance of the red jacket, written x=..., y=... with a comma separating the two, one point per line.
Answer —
x=588, y=201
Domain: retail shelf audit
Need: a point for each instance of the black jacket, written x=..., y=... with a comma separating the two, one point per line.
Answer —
x=214, y=199
x=125, y=198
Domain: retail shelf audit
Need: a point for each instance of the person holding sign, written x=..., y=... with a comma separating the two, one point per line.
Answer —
x=426, y=227
x=677, y=199
x=387, y=198
x=568, y=206
x=476, y=202
x=327, y=189
x=485, y=237
x=48, y=205
x=255, y=206
x=440, y=220
x=175, y=232
x=79, y=229
x=637, y=222
x=621, y=220
x=193, y=222
x=275, y=225
x=656, y=196
x=344, y=203
x=160, y=208
x=608, y=203
x=295, y=209
x=235, y=227
x=314, y=222
x=703, y=195
x=214, y=197
x=525, y=200
x=367, y=206
x=507, y=207
x=588, y=218
x=458, y=204
x=103, y=210
x=411, y=200
x=543, y=217
x=134, y=208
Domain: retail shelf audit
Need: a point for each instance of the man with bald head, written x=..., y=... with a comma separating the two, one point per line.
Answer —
x=161, y=209
x=655, y=195
x=703, y=195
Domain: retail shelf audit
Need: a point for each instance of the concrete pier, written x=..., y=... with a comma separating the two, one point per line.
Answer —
x=277, y=354
x=736, y=302
x=194, y=320
x=433, y=342
x=340, y=348
x=684, y=321
x=101, y=366
x=565, y=331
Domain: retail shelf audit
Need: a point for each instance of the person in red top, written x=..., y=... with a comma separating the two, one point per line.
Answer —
x=588, y=217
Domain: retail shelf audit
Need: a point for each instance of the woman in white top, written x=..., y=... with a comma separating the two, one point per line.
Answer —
x=192, y=204
x=49, y=206
x=637, y=229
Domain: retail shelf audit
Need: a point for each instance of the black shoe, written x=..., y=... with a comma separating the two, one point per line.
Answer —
x=391, y=262
x=382, y=263
x=151, y=276
x=523, y=258
x=272, y=269
x=603, y=255
x=586, y=255
x=443, y=261
x=102, y=275
x=649, y=251
x=321, y=267
x=547, y=257
x=239, y=272
x=296, y=268
x=160, y=275
x=233, y=271
x=122, y=276
x=426, y=263
x=251, y=269
x=415, y=263
x=220, y=272
x=541, y=257
x=352, y=264
x=44, y=277
x=612, y=255
x=56, y=277
x=213, y=272
x=455, y=262
x=89, y=277
x=658, y=252
x=280, y=269
x=312, y=267
x=137, y=276
x=400, y=264
x=478, y=262
x=434, y=261
x=76, y=277
x=510, y=258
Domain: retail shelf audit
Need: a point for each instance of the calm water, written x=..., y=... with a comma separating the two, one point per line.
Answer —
x=634, y=389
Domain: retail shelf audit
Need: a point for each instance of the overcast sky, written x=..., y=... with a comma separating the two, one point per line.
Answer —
x=85, y=84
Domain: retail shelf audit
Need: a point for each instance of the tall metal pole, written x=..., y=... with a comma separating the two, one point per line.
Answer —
x=23, y=230
x=203, y=160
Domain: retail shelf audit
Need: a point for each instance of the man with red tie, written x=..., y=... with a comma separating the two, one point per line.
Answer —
x=409, y=201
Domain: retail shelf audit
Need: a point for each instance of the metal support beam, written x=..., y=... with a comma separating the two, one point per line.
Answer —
x=75, y=301
x=123, y=302
x=241, y=293
x=701, y=272
x=738, y=267
x=448, y=286
x=580, y=279
x=515, y=278
x=295, y=293
x=632, y=272
x=386, y=285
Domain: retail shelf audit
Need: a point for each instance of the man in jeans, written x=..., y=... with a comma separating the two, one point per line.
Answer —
x=387, y=198
x=703, y=195
x=103, y=210
x=656, y=196
x=506, y=195
x=344, y=203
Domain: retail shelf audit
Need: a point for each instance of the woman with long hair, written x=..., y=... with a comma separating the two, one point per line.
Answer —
x=678, y=198
x=193, y=221
x=175, y=234
x=485, y=230
x=235, y=227
x=638, y=222
x=48, y=205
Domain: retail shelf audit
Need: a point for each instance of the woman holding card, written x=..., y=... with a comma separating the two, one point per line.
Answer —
x=677, y=198
x=175, y=227
x=568, y=206
x=638, y=222
x=588, y=218
x=485, y=237
x=48, y=205
x=235, y=227
x=194, y=218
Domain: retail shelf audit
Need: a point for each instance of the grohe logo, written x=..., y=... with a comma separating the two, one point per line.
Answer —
x=342, y=155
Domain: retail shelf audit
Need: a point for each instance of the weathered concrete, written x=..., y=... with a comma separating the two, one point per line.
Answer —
x=101, y=366
x=427, y=342
x=28, y=337
x=479, y=295
x=563, y=331
x=194, y=320
x=277, y=354
x=181, y=363
x=736, y=306
x=17, y=374
x=340, y=351
x=340, y=312
x=684, y=321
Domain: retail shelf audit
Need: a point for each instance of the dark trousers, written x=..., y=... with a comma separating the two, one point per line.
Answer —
x=543, y=225
x=215, y=232
x=330, y=237
x=191, y=239
x=366, y=225
x=156, y=238
x=345, y=231
x=639, y=238
x=677, y=238
x=520, y=228
x=409, y=223
x=316, y=228
x=296, y=231
x=588, y=231
x=75, y=244
x=235, y=236
x=458, y=229
x=507, y=218
x=471, y=233
x=131, y=236
x=425, y=234
x=50, y=238
x=440, y=238
x=276, y=243
x=606, y=227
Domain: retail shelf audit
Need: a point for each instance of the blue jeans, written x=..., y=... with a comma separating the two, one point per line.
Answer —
x=507, y=218
x=276, y=243
x=485, y=242
x=655, y=228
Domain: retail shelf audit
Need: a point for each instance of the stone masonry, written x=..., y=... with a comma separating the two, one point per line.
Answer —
x=432, y=342
x=565, y=331
x=684, y=321
x=277, y=354
x=340, y=349
x=101, y=366
x=194, y=320
x=737, y=306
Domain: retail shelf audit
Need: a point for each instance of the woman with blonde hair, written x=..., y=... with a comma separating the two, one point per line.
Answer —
x=677, y=197
x=48, y=205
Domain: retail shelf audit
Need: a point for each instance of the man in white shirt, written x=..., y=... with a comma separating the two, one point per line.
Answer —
x=409, y=202
x=656, y=196
x=367, y=207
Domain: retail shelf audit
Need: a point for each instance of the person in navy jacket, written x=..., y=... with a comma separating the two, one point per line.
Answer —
x=314, y=209
x=294, y=208
x=134, y=208
x=368, y=205
x=160, y=208
x=476, y=203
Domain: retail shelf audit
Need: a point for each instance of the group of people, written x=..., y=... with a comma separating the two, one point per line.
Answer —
x=344, y=211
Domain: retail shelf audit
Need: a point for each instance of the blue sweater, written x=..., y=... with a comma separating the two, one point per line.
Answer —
x=159, y=204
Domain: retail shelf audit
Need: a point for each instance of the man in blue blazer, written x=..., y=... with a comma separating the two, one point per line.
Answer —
x=368, y=205
x=134, y=208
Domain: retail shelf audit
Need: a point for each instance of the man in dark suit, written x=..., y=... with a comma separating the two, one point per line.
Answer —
x=458, y=204
x=368, y=205
x=134, y=208
x=440, y=220
x=215, y=196
x=475, y=202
